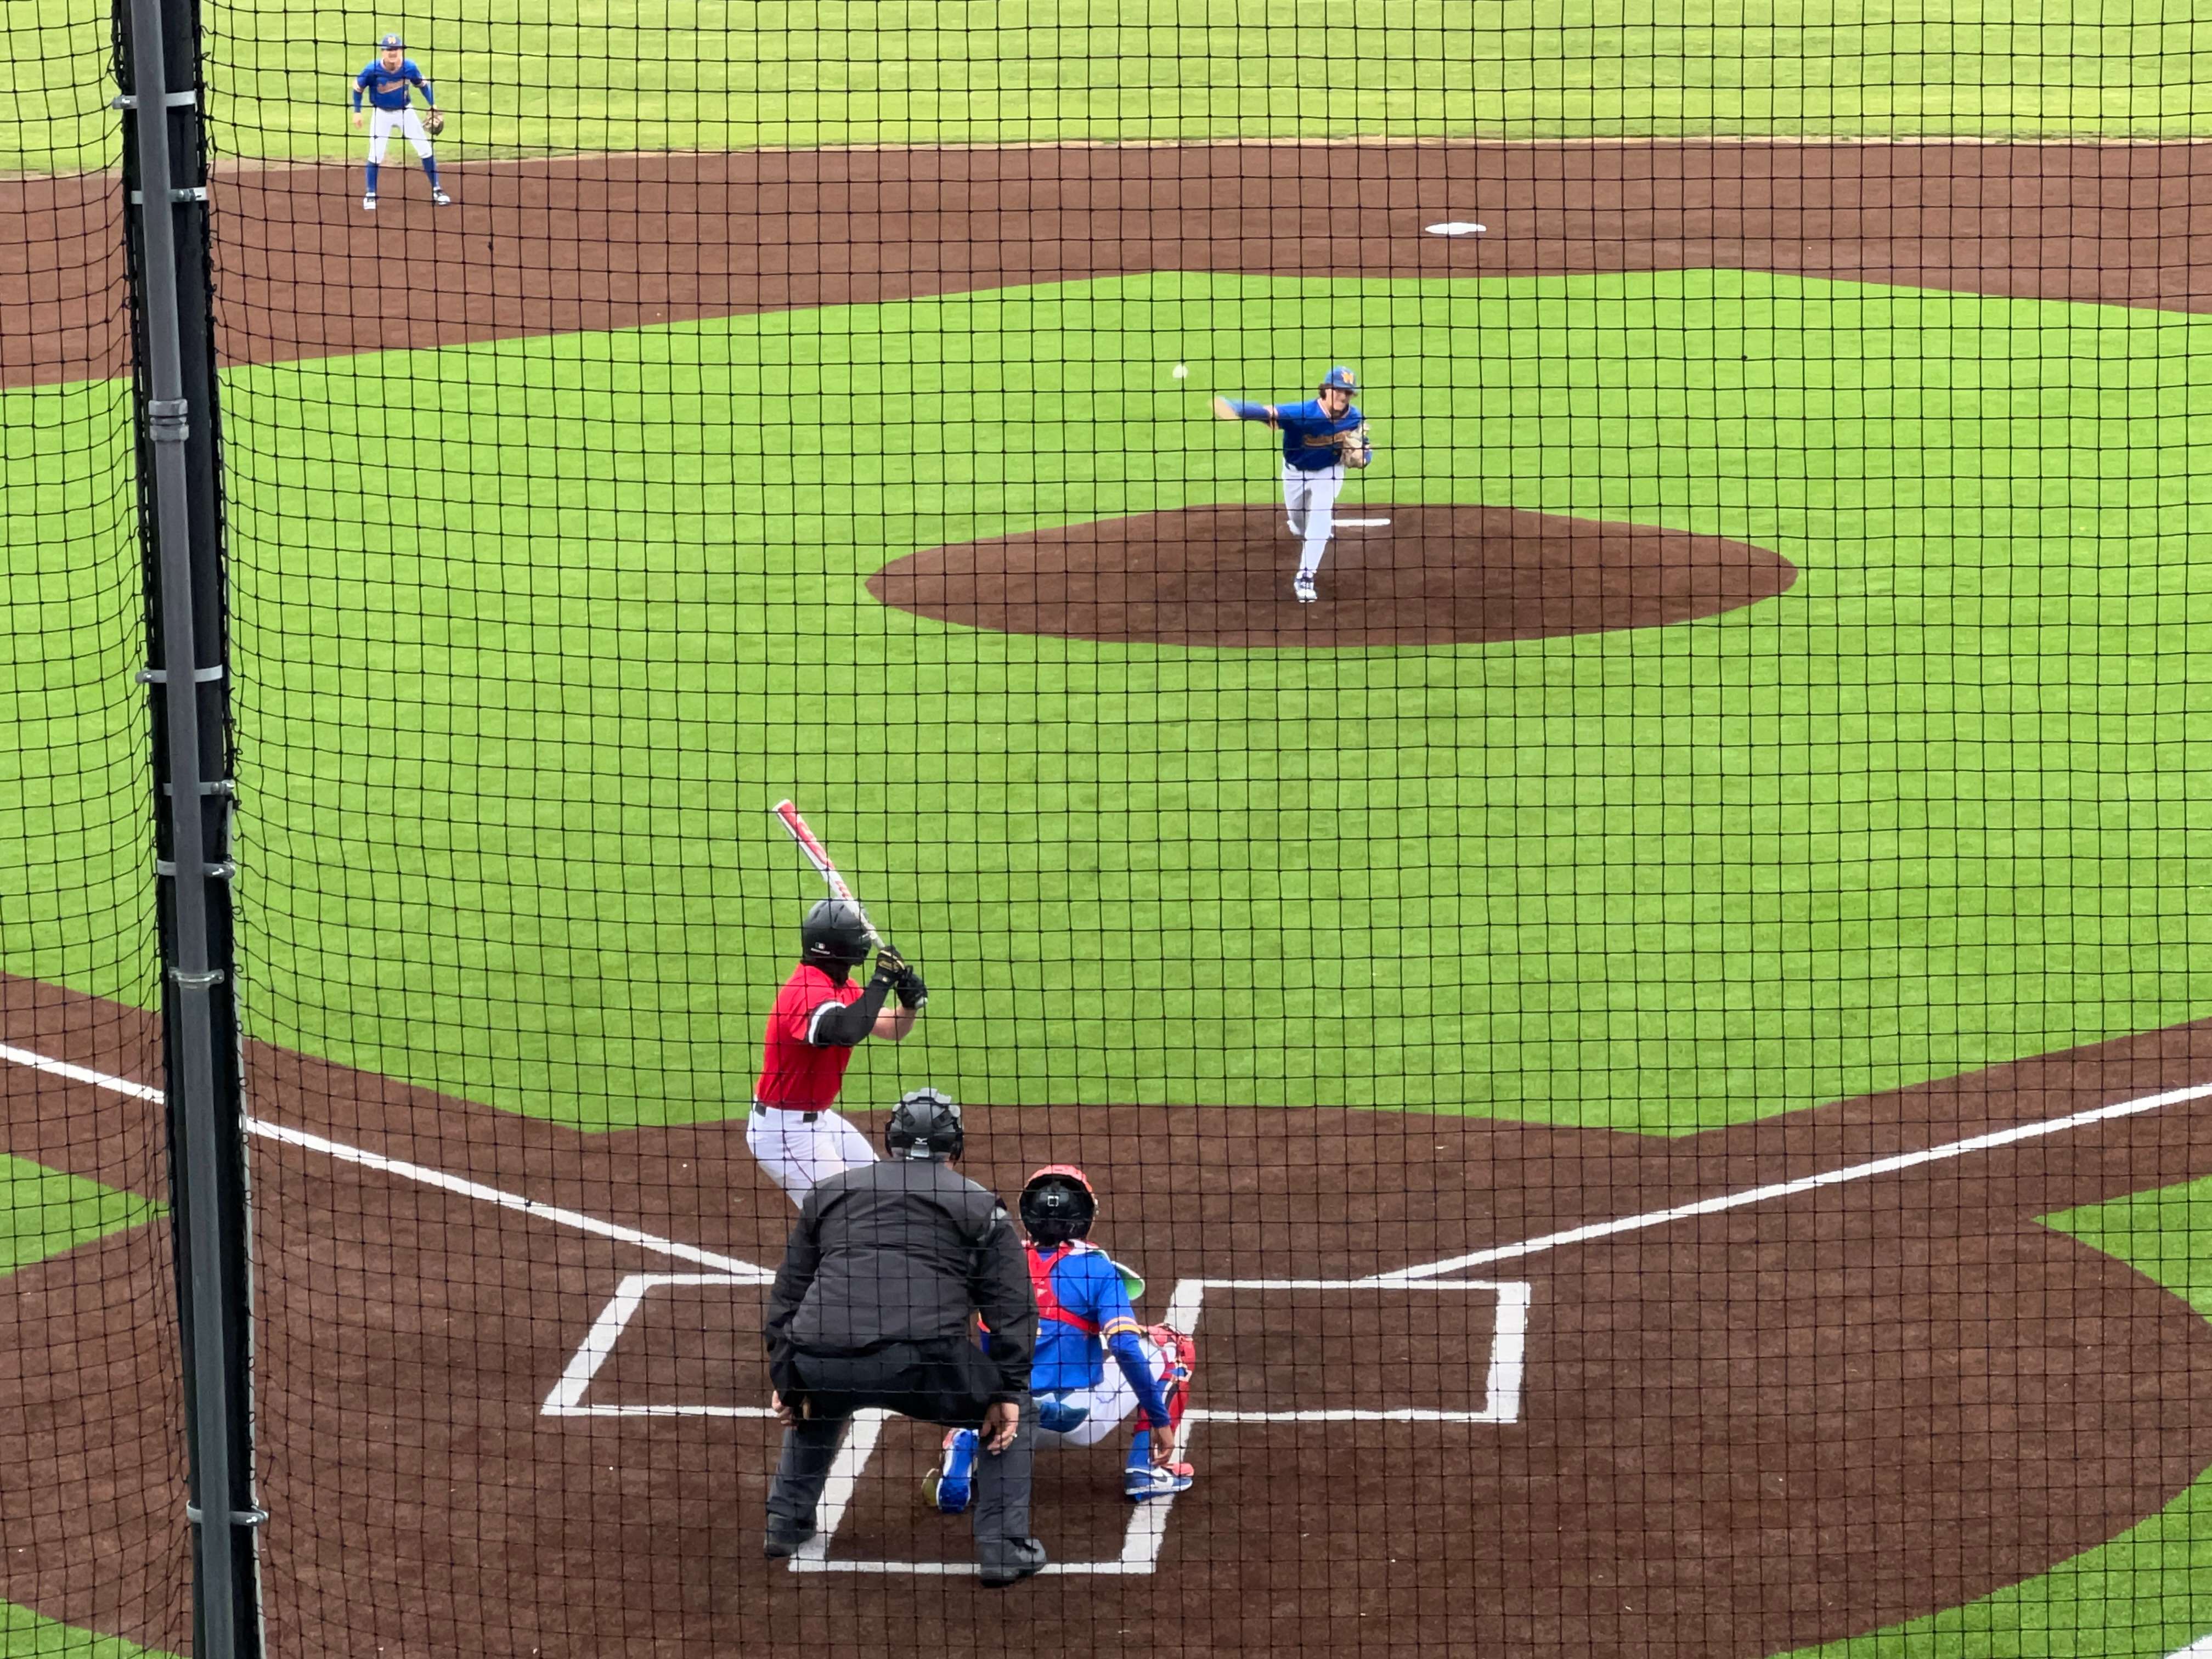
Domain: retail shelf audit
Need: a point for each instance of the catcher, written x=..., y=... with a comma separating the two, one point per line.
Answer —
x=1083, y=1299
x=385, y=82
x=1320, y=438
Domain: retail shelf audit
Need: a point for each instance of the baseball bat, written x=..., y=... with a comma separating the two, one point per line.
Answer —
x=818, y=856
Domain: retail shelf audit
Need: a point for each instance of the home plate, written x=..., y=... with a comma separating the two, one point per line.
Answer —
x=1361, y=524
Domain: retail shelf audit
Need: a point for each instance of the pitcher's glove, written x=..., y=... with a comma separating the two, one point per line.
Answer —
x=434, y=120
x=1355, y=447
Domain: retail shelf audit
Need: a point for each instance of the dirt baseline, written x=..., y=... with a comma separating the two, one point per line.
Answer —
x=562, y=243
x=1220, y=577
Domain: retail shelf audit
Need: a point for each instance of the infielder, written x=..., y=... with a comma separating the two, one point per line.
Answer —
x=1320, y=438
x=820, y=1016
x=1085, y=1313
x=386, y=81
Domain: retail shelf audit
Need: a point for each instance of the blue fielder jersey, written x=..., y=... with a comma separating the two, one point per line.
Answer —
x=387, y=88
x=1087, y=1283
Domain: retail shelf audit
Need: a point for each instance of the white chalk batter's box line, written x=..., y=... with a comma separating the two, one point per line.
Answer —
x=1147, y=1531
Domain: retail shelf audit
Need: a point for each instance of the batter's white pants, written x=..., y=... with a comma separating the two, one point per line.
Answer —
x=1110, y=1401
x=383, y=122
x=797, y=1154
x=1310, y=500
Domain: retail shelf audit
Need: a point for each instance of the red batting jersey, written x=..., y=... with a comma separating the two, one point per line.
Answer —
x=794, y=1073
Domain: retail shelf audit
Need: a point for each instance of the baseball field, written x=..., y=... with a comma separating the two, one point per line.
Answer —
x=1652, y=1033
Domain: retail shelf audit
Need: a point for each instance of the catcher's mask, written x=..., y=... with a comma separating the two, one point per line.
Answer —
x=1058, y=1205
x=1339, y=378
x=925, y=1123
x=834, y=935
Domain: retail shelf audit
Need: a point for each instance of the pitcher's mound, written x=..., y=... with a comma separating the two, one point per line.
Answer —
x=1432, y=575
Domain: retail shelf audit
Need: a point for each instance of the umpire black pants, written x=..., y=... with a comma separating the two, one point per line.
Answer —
x=948, y=1382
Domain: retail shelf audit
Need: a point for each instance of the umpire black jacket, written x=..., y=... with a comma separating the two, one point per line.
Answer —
x=904, y=1251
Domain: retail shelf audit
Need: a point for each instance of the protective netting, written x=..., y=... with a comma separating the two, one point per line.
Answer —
x=90, y=1393
x=1620, y=980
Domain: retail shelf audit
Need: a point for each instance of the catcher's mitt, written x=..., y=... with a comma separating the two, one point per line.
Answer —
x=1354, y=446
x=434, y=120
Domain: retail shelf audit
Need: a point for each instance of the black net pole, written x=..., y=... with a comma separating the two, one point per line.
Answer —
x=166, y=177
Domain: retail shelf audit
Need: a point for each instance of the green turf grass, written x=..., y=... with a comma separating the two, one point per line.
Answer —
x=531, y=634
x=618, y=74
x=75, y=872
x=2149, y=1590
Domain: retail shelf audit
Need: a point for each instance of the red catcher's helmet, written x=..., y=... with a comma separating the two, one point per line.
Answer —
x=1058, y=1205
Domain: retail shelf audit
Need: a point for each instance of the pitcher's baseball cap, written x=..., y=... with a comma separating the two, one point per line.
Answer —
x=391, y=43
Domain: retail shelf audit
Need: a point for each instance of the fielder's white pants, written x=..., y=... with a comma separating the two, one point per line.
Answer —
x=1310, y=500
x=1110, y=1401
x=796, y=1154
x=382, y=123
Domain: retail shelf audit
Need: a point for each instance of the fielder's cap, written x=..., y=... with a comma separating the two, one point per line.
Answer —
x=391, y=43
x=1340, y=376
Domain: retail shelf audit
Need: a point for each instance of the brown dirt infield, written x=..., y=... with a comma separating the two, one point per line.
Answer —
x=1219, y=577
x=594, y=242
x=1742, y=1433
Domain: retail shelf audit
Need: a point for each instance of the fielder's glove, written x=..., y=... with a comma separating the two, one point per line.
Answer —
x=434, y=120
x=1354, y=446
x=910, y=990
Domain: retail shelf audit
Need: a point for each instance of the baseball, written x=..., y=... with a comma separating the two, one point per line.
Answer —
x=1180, y=371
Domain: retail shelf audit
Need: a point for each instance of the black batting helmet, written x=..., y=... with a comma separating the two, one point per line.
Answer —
x=925, y=1123
x=1058, y=1205
x=834, y=934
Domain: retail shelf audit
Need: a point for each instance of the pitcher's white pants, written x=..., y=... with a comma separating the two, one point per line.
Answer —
x=1310, y=500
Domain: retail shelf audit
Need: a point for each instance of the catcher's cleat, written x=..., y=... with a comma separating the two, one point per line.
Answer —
x=1305, y=588
x=952, y=1482
x=784, y=1538
x=442, y=198
x=1156, y=1480
x=369, y=203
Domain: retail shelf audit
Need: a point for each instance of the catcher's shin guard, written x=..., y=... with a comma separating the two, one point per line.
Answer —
x=1178, y=1369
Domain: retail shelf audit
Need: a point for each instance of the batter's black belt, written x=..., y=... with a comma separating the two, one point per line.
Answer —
x=761, y=1109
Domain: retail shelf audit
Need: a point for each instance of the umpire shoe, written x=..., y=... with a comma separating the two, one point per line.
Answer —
x=1142, y=1485
x=784, y=1538
x=1009, y=1560
x=1303, y=587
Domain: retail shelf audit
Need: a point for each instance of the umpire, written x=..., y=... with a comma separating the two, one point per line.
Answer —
x=872, y=1307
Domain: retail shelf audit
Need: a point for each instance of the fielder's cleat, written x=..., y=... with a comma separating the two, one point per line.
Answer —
x=952, y=1482
x=440, y=198
x=784, y=1538
x=1008, y=1561
x=369, y=203
x=1156, y=1480
x=1303, y=587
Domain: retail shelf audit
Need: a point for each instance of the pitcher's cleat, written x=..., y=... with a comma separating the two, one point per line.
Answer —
x=1303, y=587
x=439, y=198
x=369, y=203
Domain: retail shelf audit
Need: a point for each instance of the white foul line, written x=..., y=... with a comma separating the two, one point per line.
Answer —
x=1787, y=1188
x=419, y=1173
